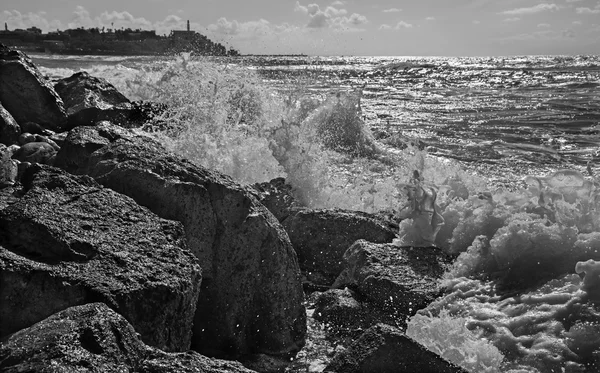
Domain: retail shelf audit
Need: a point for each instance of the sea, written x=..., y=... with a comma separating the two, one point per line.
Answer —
x=509, y=144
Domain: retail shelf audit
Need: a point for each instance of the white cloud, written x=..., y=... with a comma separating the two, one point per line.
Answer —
x=392, y=10
x=577, y=23
x=574, y=1
x=399, y=26
x=430, y=19
x=476, y=22
x=543, y=25
x=331, y=17
x=15, y=19
x=514, y=19
x=596, y=10
x=531, y=10
x=247, y=30
x=402, y=24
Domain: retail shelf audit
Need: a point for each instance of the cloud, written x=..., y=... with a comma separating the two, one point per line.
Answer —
x=544, y=7
x=514, y=19
x=574, y=1
x=399, y=26
x=15, y=19
x=586, y=10
x=430, y=19
x=249, y=30
x=331, y=17
x=392, y=10
x=543, y=25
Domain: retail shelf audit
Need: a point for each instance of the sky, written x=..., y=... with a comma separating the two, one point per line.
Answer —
x=349, y=27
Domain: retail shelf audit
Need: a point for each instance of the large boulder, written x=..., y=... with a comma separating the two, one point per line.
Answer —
x=400, y=279
x=382, y=349
x=89, y=99
x=251, y=299
x=321, y=237
x=9, y=128
x=66, y=241
x=26, y=94
x=94, y=338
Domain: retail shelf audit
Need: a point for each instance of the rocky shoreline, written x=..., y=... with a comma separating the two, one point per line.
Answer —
x=116, y=255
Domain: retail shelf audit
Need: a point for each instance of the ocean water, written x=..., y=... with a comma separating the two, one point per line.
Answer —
x=510, y=145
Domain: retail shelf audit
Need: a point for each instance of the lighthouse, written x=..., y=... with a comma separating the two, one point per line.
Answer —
x=188, y=25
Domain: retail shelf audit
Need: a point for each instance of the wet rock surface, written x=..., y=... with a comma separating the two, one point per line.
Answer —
x=382, y=349
x=400, y=279
x=9, y=128
x=321, y=237
x=89, y=99
x=94, y=338
x=26, y=94
x=251, y=298
x=65, y=240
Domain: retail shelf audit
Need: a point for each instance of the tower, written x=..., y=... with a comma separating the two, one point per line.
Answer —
x=188, y=25
x=5, y=27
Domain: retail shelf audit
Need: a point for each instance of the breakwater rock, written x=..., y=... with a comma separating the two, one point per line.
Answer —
x=105, y=235
x=94, y=338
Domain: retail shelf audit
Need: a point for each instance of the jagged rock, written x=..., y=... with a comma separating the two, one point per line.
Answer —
x=36, y=152
x=251, y=298
x=399, y=279
x=9, y=129
x=8, y=167
x=26, y=94
x=94, y=338
x=321, y=237
x=277, y=196
x=89, y=99
x=65, y=240
x=382, y=349
x=26, y=138
x=340, y=308
x=36, y=129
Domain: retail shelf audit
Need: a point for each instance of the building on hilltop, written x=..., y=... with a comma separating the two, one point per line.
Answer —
x=183, y=34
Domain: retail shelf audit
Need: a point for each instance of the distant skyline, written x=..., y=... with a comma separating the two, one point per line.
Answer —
x=350, y=27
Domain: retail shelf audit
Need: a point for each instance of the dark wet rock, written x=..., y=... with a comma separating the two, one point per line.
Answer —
x=36, y=152
x=382, y=349
x=9, y=129
x=321, y=237
x=8, y=167
x=65, y=240
x=347, y=314
x=89, y=99
x=340, y=307
x=26, y=94
x=94, y=338
x=150, y=115
x=26, y=138
x=277, y=196
x=251, y=298
x=36, y=129
x=399, y=279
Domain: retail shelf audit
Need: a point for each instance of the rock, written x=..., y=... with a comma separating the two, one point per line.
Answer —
x=26, y=94
x=400, y=279
x=67, y=241
x=89, y=99
x=36, y=152
x=8, y=167
x=94, y=338
x=383, y=348
x=277, y=196
x=9, y=129
x=340, y=308
x=26, y=138
x=36, y=129
x=321, y=237
x=251, y=300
